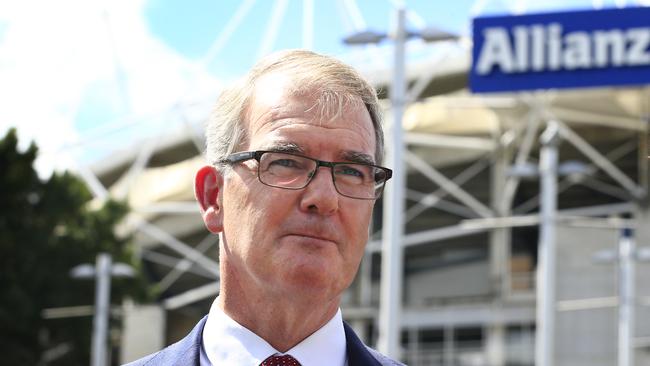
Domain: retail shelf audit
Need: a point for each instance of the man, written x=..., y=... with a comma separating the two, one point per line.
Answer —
x=295, y=150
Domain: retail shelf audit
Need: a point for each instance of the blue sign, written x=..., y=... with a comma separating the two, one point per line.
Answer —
x=561, y=50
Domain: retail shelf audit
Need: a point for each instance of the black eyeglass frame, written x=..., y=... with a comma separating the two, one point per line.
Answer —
x=242, y=156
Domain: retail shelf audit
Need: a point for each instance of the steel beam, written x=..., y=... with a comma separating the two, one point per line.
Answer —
x=468, y=315
x=448, y=185
x=512, y=183
x=271, y=32
x=175, y=244
x=601, y=161
x=172, y=207
x=392, y=258
x=191, y=296
x=171, y=262
x=308, y=24
x=227, y=32
x=456, y=142
x=432, y=199
x=183, y=265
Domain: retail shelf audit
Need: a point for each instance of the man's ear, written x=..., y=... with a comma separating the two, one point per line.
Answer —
x=207, y=190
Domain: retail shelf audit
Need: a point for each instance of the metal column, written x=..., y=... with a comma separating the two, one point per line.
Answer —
x=626, y=283
x=102, y=300
x=544, y=347
x=392, y=255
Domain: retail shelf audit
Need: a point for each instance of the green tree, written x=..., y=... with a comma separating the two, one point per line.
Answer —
x=46, y=228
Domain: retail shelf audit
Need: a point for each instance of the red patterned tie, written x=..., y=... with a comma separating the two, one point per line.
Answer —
x=285, y=360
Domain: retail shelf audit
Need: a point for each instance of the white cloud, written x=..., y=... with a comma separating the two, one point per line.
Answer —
x=53, y=52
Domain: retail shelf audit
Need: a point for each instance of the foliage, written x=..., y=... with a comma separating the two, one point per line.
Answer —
x=46, y=228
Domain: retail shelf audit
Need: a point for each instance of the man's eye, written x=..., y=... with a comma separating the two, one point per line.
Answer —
x=350, y=171
x=287, y=163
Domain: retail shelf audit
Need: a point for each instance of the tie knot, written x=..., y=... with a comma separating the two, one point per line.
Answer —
x=285, y=360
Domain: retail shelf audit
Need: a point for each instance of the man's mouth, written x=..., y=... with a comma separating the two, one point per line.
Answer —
x=313, y=237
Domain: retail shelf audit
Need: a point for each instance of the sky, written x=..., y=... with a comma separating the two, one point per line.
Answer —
x=86, y=78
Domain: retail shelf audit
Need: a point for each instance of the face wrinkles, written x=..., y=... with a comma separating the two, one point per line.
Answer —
x=293, y=148
x=296, y=136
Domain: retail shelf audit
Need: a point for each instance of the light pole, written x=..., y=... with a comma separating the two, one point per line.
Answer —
x=626, y=255
x=626, y=299
x=102, y=272
x=392, y=261
x=393, y=213
x=546, y=251
x=547, y=171
x=548, y=166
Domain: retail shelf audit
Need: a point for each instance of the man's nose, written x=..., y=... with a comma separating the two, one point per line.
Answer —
x=320, y=195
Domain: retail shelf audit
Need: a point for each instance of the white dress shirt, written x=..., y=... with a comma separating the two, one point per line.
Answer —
x=226, y=342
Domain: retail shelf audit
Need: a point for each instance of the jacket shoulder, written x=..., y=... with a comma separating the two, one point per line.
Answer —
x=143, y=361
x=383, y=360
x=360, y=354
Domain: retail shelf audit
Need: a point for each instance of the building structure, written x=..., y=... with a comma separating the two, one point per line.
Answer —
x=471, y=226
x=471, y=221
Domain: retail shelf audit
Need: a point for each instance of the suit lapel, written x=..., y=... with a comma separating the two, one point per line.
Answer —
x=188, y=350
x=358, y=354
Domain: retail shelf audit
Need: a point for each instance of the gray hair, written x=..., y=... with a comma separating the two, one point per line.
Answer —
x=335, y=85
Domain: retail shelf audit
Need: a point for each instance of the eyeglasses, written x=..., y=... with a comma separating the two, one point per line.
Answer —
x=294, y=171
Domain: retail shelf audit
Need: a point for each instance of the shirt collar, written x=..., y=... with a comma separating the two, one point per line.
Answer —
x=227, y=342
x=324, y=347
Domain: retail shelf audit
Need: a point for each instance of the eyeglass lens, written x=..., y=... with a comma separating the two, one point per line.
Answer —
x=295, y=172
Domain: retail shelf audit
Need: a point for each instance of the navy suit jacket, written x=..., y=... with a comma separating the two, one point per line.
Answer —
x=186, y=352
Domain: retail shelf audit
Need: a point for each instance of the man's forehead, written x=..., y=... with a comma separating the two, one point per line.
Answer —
x=284, y=145
x=280, y=91
x=272, y=89
x=277, y=102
